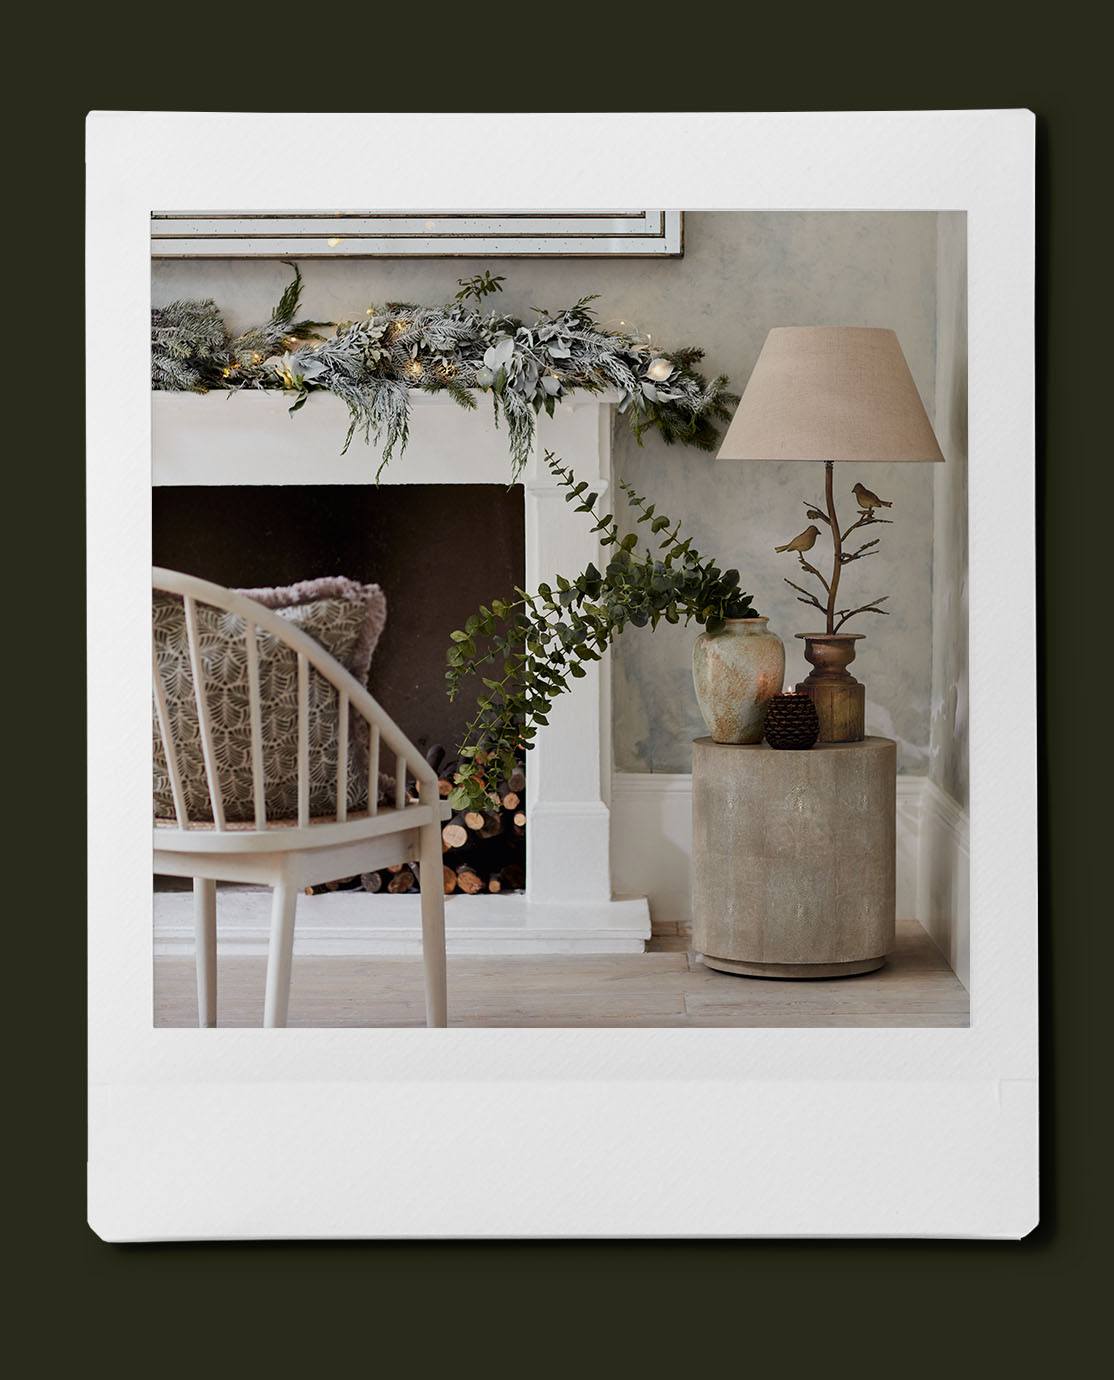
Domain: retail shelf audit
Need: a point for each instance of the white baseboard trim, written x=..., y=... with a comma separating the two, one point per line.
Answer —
x=944, y=877
x=651, y=846
x=356, y=924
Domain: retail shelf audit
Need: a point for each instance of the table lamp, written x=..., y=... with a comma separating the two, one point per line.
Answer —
x=833, y=394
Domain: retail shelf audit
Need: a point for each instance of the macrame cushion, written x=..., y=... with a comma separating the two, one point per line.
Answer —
x=346, y=618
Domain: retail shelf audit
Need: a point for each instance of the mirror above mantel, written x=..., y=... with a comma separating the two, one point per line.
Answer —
x=335, y=234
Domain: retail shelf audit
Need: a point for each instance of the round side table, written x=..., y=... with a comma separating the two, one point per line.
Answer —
x=793, y=857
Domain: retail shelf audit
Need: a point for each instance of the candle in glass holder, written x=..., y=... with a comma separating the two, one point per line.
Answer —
x=791, y=720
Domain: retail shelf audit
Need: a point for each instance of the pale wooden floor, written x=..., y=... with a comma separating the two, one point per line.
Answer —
x=665, y=987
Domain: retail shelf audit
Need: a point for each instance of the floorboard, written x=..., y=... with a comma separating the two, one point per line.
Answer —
x=666, y=987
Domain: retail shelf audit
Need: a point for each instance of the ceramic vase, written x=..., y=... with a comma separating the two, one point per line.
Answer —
x=735, y=673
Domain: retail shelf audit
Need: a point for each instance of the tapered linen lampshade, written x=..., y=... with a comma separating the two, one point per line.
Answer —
x=840, y=393
x=832, y=394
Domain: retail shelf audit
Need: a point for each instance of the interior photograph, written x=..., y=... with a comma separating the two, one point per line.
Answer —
x=559, y=619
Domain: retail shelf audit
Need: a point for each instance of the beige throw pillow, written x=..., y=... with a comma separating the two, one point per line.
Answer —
x=347, y=618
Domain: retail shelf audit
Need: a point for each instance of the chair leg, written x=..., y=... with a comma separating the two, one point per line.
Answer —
x=205, y=946
x=433, y=928
x=280, y=954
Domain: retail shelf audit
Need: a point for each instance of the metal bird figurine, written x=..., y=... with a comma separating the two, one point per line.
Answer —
x=803, y=541
x=868, y=501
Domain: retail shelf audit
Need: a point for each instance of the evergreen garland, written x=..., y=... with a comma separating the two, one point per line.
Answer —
x=192, y=350
x=373, y=365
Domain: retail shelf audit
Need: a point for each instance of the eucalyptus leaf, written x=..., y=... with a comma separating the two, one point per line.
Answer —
x=554, y=635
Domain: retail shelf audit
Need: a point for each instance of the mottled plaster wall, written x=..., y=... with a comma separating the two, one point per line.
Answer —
x=748, y=273
x=741, y=274
x=949, y=731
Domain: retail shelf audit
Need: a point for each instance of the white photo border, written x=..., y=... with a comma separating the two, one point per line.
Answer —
x=226, y=1134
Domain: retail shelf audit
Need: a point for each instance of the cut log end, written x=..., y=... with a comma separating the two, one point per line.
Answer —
x=469, y=880
x=454, y=835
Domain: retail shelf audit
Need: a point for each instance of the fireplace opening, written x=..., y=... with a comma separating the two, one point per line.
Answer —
x=438, y=551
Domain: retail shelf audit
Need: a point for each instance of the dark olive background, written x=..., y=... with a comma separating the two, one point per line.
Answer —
x=792, y=1309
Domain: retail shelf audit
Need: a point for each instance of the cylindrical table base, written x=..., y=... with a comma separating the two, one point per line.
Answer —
x=794, y=970
x=793, y=859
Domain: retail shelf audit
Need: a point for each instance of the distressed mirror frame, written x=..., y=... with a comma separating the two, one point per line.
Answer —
x=416, y=234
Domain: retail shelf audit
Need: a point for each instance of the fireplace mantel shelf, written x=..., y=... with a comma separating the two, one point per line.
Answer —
x=249, y=438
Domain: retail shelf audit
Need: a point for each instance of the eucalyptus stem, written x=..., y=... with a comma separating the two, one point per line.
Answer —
x=549, y=638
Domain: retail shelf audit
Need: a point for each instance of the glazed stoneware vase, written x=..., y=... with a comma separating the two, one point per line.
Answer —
x=735, y=673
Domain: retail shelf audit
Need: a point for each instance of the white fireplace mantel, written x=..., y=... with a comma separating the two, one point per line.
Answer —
x=250, y=438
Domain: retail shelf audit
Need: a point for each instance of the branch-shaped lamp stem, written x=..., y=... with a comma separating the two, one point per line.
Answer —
x=837, y=543
x=827, y=604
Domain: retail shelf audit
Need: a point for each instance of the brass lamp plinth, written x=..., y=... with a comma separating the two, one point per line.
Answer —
x=839, y=698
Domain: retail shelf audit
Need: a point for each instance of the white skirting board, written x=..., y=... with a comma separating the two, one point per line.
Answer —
x=357, y=924
x=944, y=878
x=651, y=844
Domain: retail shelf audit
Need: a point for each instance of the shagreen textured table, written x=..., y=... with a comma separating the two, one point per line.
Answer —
x=793, y=858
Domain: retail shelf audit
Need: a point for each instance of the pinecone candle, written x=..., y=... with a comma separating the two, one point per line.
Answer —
x=791, y=720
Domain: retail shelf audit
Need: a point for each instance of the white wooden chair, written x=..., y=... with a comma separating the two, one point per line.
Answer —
x=290, y=855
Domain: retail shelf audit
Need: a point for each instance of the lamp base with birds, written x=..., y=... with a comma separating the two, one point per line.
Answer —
x=839, y=698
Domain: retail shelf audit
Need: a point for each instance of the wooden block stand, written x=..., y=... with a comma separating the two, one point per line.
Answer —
x=794, y=857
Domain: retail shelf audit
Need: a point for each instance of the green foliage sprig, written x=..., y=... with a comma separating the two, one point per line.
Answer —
x=479, y=287
x=374, y=364
x=538, y=644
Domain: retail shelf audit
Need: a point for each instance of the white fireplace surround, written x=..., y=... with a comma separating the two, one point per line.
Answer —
x=250, y=439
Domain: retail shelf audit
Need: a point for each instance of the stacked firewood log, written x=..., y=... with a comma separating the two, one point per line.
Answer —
x=482, y=851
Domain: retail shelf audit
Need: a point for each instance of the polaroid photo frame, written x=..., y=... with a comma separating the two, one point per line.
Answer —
x=286, y=1134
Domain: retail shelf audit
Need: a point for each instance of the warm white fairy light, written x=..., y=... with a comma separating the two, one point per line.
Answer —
x=332, y=243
